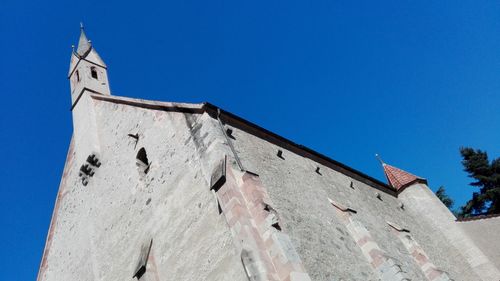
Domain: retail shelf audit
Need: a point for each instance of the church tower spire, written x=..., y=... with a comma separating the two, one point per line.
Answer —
x=84, y=44
x=88, y=76
x=87, y=72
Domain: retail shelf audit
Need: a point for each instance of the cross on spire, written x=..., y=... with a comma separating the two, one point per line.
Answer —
x=380, y=159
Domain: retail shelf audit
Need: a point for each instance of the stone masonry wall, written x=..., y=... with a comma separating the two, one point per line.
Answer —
x=329, y=252
x=159, y=215
x=486, y=233
x=99, y=229
x=423, y=204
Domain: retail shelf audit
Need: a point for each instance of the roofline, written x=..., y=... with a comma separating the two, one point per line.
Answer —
x=252, y=128
x=236, y=121
x=477, y=217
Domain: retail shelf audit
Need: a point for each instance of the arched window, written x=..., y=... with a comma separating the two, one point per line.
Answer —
x=77, y=76
x=93, y=72
x=142, y=161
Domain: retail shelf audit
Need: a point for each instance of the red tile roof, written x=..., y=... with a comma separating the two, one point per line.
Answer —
x=400, y=179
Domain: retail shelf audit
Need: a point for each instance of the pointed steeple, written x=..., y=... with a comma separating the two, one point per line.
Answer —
x=85, y=51
x=397, y=178
x=84, y=44
x=87, y=71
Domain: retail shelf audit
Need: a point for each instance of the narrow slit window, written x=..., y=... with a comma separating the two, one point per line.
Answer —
x=142, y=161
x=77, y=76
x=93, y=72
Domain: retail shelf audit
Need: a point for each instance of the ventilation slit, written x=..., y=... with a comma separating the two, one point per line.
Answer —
x=229, y=133
x=280, y=154
x=317, y=171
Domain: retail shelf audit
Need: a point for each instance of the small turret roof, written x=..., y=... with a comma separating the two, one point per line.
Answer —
x=400, y=179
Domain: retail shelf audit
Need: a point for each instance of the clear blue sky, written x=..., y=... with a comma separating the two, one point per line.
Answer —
x=411, y=80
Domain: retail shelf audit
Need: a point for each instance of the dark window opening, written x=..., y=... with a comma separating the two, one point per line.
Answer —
x=142, y=161
x=77, y=76
x=93, y=72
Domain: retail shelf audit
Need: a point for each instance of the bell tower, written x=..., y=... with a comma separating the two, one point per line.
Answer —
x=87, y=76
x=87, y=72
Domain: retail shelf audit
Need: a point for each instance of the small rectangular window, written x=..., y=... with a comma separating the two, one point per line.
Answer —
x=93, y=72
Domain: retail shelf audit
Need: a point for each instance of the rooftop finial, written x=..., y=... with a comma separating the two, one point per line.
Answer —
x=379, y=159
x=81, y=25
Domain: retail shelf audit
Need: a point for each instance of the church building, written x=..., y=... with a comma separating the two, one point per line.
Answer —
x=159, y=191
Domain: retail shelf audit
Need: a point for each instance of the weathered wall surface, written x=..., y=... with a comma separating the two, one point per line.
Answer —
x=485, y=233
x=100, y=228
x=424, y=205
x=325, y=246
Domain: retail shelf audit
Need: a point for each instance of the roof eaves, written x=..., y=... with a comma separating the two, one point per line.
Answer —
x=302, y=150
x=477, y=217
x=155, y=105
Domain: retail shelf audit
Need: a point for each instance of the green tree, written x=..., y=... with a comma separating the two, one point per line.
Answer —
x=441, y=194
x=486, y=177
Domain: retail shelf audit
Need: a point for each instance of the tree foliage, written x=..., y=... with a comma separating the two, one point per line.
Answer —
x=486, y=177
x=441, y=194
